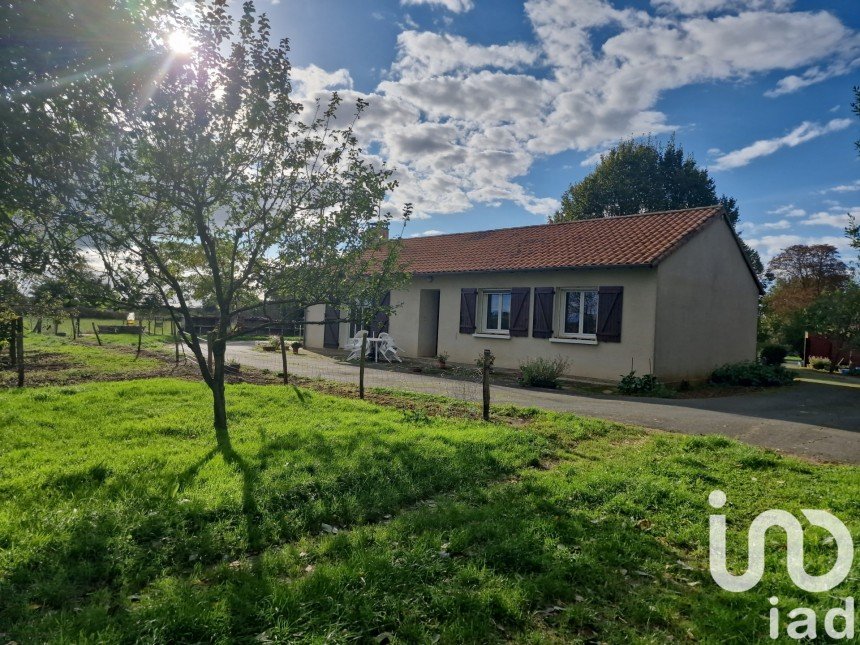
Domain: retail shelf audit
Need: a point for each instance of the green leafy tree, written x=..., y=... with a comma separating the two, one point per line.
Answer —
x=222, y=187
x=637, y=176
x=64, y=66
x=855, y=107
x=853, y=228
x=802, y=275
x=836, y=315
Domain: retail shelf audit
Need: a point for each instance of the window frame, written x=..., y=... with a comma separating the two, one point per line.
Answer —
x=561, y=313
x=481, y=328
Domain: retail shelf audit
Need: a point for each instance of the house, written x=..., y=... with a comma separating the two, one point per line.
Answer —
x=670, y=293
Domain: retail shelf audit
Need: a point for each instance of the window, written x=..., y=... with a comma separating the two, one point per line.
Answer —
x=578, y=314
x=496, y=312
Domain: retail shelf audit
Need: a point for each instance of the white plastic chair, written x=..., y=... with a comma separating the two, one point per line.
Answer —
x=354, y=345
x=387, y=348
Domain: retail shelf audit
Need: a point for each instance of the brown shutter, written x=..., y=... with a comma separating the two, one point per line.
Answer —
x=380, y=321
x=468, y=307
x=609, y=305
x=520, y=311
x=544, y=297
x=331, y=328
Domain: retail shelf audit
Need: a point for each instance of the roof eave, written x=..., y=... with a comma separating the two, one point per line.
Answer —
x=588, y=267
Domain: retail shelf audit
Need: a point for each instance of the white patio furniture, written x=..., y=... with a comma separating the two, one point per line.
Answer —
x=388, y=348
x=354, y=345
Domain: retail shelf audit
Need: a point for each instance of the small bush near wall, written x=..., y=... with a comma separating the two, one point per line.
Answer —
x=750, y=374
x=542, y=372
x=819, y=362
x=773, y=354
x=646, y=385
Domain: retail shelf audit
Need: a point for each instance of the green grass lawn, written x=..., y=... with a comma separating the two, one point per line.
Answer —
x=336, y=519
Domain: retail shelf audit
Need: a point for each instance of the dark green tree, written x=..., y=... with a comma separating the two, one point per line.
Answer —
x=853, y=228
x=64, y=66
x=637, y=176
x=222, y=189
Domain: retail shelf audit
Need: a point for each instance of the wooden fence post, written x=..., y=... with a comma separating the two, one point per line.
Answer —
x=96, y=332
x=361, y=366
x=486, y=384
x=284, y=361
x=19, y=341
x=139, y=341
x=13, y=342
x=176, y=343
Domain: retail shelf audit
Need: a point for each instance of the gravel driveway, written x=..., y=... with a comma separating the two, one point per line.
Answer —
x=815, y=420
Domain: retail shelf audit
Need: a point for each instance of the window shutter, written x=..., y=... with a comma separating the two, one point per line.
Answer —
x=468, y=306
x=609, y=305
x=544, y=297
x=520, y=311
x=380, y=321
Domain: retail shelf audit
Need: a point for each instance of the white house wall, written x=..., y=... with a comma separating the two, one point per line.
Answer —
x=607, y=361
x=707, y=304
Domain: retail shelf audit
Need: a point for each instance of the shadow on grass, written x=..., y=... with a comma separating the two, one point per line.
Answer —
x=84, y=556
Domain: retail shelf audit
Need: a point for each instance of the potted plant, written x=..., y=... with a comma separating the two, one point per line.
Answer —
x=296, y=345
x=442, y=359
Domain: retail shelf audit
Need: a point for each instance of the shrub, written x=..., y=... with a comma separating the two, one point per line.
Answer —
x=773, y=354
x=819, y=362
x=542, y=372
x=271, y=344
x=751, y=374
x=646, y=385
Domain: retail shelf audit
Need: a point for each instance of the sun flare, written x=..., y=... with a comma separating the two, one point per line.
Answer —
x=180, y=43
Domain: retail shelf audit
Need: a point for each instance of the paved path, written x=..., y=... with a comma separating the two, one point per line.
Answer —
x=815, y=420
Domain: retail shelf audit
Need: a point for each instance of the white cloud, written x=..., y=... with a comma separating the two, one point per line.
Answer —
x=794, y=82
x=462, y=123
x=789, y=210
x=428, y=233
x=827, y=219
x=593, y=160
x=709, y=6
x=313, y=80
x=806, y=131
x=457, y=6
x=423, y=54
x=780, y=225
x=843, y=188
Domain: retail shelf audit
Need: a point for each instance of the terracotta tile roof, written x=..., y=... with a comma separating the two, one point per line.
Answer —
x=631, y=240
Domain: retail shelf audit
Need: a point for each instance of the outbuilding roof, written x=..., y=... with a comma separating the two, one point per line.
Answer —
x=625, y=241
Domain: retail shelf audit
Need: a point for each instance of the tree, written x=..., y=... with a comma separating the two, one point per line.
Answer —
x=816, y=268
x=642, y=176
x=836, y=315
x=802, y=274
x=853, y=228
x=221, y=188
x=855, y=107
x=63, y=70
x=852, y=231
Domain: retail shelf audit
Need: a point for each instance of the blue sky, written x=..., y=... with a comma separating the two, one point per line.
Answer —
x=488, y=109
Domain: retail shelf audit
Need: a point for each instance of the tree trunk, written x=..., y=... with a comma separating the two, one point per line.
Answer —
x=219, y=351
